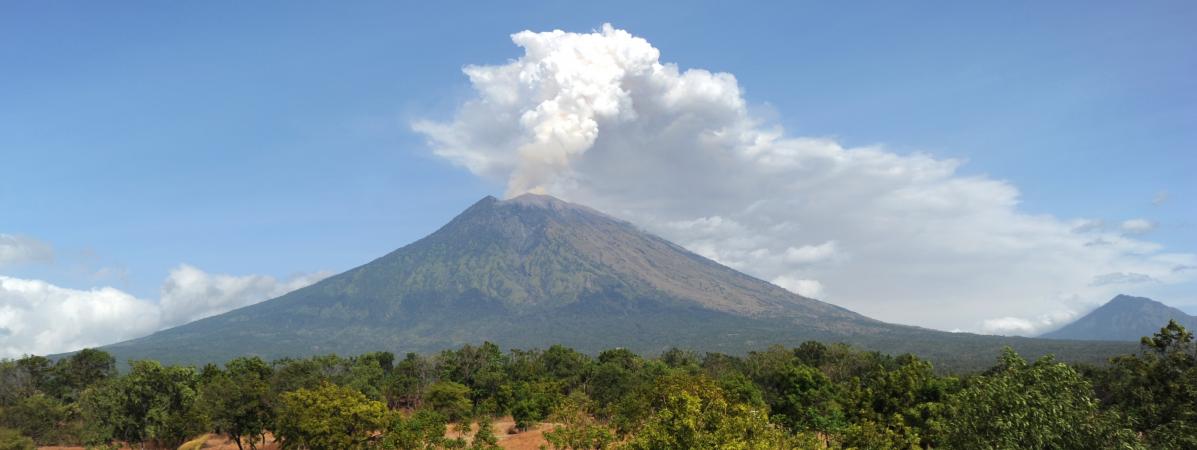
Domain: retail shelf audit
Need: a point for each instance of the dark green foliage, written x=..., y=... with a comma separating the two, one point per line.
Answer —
x=153, y=403
x=1042, y=405
x=237, y=400
x=449, y=399
x=1157, y=389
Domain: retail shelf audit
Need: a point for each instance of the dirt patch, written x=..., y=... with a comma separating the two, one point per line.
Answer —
x=504, y=429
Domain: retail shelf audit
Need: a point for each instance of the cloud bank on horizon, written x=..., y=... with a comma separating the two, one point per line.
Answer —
x=599, y=119
x=37, y=317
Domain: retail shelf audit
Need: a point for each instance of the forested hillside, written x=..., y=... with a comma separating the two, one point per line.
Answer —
x=811, y=396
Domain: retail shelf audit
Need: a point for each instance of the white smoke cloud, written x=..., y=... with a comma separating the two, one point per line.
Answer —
x=37, y=317
x=597, y=118
x=22, y=249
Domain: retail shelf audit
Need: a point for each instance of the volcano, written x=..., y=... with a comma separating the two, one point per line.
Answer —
x=535, y=271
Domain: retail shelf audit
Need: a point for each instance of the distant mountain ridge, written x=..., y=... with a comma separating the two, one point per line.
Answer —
x=1124, y=318
x=534, y=271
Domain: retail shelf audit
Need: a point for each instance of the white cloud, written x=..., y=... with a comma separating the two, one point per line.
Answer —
x=22, y=249
x=1017, y=326
x=1137, y=226
x=597, y=118
x=190, y=294
x=39, y=318
x=805, y=288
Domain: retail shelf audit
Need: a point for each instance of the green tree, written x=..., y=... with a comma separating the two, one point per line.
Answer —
x=484, y=438
x=45, y=419
x=803, y=398
x=692, y=413
x=153, y=403
x=449, y=399
x=1044, y=405
x=422, y=430
x=237, y=400
x=1157, y=388
x=577, y=429
x=329, y=417
x=82, y=369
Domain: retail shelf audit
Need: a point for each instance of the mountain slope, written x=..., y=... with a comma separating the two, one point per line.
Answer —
x=1124, y=318
x=535, y=271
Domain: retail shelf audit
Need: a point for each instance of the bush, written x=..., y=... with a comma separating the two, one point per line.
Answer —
x=14, y=440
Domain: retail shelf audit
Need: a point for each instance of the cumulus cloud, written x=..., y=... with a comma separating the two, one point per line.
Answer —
x=1137, y=226
x=22, y=249
x=190, y=294
x=1018, y=326
x=598, y=118
x=41, y=318
x=37, y=317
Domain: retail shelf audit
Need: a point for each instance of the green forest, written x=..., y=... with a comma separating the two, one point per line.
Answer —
x=813, y=396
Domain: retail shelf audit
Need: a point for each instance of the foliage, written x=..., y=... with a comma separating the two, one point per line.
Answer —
x=691, y=412
x=328, y=417
x=813, y=396
x=237, y=400
x=577, y=429
x=1044, y=405
x=1157, y=388
x=424, y=429
x=449, y=399
x=13, y=440
x=153, y=403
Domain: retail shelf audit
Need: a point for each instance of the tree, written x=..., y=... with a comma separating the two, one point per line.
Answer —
x=577, y=429
x=82, y=369
x=803, y=399
x=1157, y=388
x=44, y=418
x=484, y=438
x=152, y=403
x=692, y=413
x=329, y=417
x=1045, y=405
x=449, y=399
x=408, y=381
x=421, y=430
x=238, y=400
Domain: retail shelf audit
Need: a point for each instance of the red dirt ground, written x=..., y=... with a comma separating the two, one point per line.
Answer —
x=527, y=440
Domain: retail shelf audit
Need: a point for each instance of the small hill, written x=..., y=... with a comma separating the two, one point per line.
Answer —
x=1125, y=318
x=534, y=271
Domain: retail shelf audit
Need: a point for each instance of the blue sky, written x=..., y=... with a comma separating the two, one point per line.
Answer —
x=266, y=138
